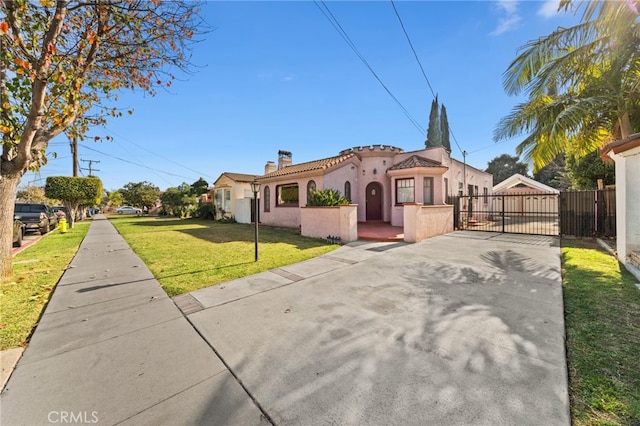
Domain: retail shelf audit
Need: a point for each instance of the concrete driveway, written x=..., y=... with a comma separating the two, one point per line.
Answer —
x=462, y=329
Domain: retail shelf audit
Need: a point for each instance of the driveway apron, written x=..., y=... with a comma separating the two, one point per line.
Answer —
x=462, y=329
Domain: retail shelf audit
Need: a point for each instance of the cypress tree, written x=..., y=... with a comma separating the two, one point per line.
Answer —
x=434, y=135
x=444, y=128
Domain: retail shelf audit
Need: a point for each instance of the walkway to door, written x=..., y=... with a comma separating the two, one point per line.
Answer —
x=379, y=231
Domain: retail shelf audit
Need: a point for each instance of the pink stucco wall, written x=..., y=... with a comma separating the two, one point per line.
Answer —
x=422, y=222
x=372, y=164
x=321, y=222
x=287, y=217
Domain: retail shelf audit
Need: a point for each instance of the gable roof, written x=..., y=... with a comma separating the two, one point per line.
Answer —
x=517, y=179
x=237, y=177
x=316, y=165
x=415, y=161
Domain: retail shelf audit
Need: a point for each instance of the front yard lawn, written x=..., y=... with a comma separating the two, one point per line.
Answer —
x=602, y=314
x=36, y=271
x=185, y=255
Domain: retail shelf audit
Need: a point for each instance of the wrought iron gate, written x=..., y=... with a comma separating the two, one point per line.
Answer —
x=508, y=213
x=578, y=213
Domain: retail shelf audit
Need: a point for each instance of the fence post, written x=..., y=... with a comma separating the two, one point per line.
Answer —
x=503, y=197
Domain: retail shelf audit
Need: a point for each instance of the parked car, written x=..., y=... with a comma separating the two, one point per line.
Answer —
x=18, y=232
x=128, y=210
x=36, y=216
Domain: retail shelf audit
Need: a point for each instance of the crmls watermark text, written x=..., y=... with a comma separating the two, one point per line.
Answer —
x=73, y=417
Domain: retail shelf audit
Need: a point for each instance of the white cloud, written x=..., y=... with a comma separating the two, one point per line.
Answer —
x=549, y=9
x=511, y=20
x=506, y=24
x=508, y=6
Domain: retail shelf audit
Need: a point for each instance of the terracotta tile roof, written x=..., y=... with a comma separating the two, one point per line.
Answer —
x=619, y=146
x=415, y=161
x=323, y=164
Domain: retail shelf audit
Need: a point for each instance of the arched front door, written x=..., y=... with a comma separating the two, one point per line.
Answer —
x=374, y=201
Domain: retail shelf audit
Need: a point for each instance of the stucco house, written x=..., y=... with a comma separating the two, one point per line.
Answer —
x=380, y=179
x=626, y=154
x=232, y=196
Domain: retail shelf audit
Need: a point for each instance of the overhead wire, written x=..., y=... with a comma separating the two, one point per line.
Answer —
x=336, y=25
x=128, y=152
x=424, y=74
x=136, y=164
x=158, y=155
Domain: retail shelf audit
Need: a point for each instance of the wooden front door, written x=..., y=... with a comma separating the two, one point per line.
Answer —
x=374, y=201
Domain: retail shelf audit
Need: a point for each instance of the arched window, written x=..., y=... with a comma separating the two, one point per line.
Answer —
x=347, y=190
x=311, y=186
x=267, y=199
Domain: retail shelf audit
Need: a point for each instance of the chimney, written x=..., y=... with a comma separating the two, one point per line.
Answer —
x=269, y=167
x=284, y=159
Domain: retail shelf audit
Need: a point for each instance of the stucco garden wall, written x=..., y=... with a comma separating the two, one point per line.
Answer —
x=286, y=217
x=321, y=222
x=422, y=222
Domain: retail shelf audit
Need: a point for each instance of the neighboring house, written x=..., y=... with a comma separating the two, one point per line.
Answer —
x=519, y=184
x=531, y=197
x=233, y=198
x=626, y=154
x=379, y=179
x=207, y=196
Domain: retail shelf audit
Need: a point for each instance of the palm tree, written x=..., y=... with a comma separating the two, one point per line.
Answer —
x=583, y=84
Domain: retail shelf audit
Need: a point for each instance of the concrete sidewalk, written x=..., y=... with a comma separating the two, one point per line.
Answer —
x=112, y=348
x=462, y=329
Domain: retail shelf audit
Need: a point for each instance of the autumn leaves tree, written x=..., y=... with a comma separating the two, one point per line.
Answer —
x=62, y=65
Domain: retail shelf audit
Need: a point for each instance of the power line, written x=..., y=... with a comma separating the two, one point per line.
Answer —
x=158, y=155
x=415, y=55
x=128, y=152
x=136, y=164
x=336, y=25
x=424, y=74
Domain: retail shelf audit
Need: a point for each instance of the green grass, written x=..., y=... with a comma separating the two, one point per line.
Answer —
x=185, y=255
x=602, y=314
x=36, y=271
x=602, y=305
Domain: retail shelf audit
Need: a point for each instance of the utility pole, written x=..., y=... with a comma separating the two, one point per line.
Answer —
x=464, y=172
x=74, y=154
x=91, y=170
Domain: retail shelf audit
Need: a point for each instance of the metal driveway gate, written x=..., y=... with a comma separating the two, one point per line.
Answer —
x=577, y=213
x=535, y=213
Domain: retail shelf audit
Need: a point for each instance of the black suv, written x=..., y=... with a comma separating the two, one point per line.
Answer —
x=36, y=216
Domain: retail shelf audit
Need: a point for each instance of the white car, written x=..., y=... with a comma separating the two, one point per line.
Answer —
x=128, y=210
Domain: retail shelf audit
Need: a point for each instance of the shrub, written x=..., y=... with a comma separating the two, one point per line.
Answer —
x=205, y=211
x=328, y=197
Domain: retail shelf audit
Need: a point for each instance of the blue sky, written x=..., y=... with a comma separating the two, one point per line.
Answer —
x=277, y=75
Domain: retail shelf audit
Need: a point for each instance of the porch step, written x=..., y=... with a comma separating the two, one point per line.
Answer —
x=380, y=231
